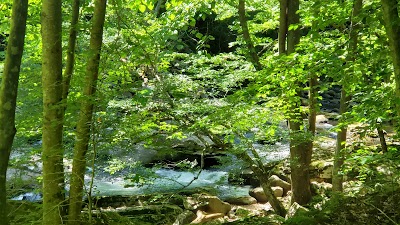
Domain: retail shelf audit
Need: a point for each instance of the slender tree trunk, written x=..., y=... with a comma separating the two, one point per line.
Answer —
x=85, y=115
x=246, y=36
x=263, y=176
x=382, y=139
x=69, y=68
x=158, y=9
x=283, y=27
x=392, y=25
x=337, y=177
x=52, y=156
x=8, y=95
x=312, y=117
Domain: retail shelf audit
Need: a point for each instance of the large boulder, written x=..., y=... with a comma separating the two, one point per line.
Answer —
x=206, y=203
x=258, y=193
x=215, y=205
x=278, y=191
x=244, y=200
x=276, y=181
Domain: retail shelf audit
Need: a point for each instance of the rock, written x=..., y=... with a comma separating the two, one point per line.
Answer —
x=322, y=122
x=245, y=200
x=322, y=169
x=145, y=210
x=276, y=181
x=320, y=187
x=203, y=217
x=321, y=119
x=287, y=200
x=185, y=218
x=258, y=193
x=206, y=203
x=191, y=203
x=294, y=209
x=278, y=191
x=215, y=205
x=190, y=142
x=152, y=214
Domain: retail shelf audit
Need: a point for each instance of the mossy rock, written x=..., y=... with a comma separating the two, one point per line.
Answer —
x=150, y=214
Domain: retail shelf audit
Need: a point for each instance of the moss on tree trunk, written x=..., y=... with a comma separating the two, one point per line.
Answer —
x=52, y=156
x=8, y=95
x=85, y=115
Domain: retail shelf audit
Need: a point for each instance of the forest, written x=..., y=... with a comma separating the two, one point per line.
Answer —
x=282, y=112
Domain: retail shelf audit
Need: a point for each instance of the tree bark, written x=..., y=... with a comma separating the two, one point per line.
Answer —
x=159, y=7
x=283, y=27
x=69, y=67
x=300, y=143
x=85, y=115
x=337, y=177
x=263, y=176
x=8, y=95
x=52, y=156
x=382, y=139
x=392, y=25
x=246, y=36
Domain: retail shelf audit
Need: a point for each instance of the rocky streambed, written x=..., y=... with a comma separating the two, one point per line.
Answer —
x=179, y=197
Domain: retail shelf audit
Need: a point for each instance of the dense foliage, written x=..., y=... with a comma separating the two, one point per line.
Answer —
x=176, y=84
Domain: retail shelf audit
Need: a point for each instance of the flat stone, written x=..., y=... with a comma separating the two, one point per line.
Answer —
x=245, y=200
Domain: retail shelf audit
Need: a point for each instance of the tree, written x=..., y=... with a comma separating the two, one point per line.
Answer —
x=392, y=26
x=300, y=142
x=258, y=168
x=283, y=27
x=69, y=67
x=246, y=35
x=8, y=94
x=337, y=179
x=85, y=115
x=52, y=156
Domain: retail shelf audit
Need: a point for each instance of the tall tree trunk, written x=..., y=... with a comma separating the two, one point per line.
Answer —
x=52, y=156
x=69, y=67
x=8, y=94
x=337, y=177
x=300, y=149
x=283, y=27
x=85, y=115
x=246, y=35
x=392, y=25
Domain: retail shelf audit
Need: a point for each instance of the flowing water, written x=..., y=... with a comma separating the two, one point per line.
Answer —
x=169, y=180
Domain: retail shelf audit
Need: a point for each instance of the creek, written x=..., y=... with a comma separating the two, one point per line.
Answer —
x=170, y=180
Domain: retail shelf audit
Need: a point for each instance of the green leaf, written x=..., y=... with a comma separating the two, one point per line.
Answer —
x=142, y=8
x=199, y=35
